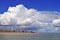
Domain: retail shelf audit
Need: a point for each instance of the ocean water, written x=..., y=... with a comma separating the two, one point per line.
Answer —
x=36, y=36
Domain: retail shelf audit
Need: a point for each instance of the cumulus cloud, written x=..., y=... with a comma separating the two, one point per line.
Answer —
x=29, y=19
x=56, y=22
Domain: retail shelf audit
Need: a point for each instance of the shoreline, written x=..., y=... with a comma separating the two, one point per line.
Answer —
x=16, y=33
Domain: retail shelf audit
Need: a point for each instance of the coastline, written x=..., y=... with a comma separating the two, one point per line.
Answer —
x=16, y=33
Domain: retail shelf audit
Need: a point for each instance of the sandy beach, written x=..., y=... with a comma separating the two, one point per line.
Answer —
x=15, y=33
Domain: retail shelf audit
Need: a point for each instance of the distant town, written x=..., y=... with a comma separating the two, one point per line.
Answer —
x=16, y=31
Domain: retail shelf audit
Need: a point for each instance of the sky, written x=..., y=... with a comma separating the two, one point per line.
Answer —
x=30, y=15
x=41, y=5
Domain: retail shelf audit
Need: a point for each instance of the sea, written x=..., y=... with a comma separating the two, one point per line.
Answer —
x=33, y=36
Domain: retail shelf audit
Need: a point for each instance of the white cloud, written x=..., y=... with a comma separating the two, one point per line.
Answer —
x=29, y=18
x=56, y=22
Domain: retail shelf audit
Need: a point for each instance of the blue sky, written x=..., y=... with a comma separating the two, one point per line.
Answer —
x=42, y=5
x=36, y=15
